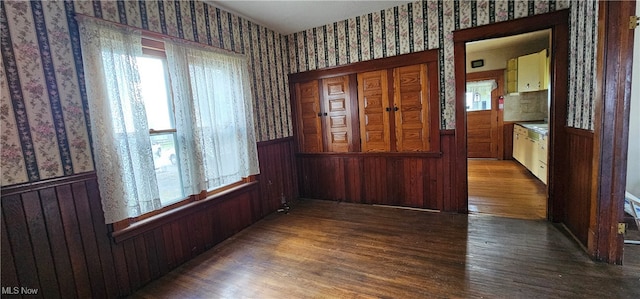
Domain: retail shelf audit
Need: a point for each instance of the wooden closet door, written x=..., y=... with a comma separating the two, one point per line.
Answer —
x=336, y=101
x=412, y=103
x=373, y=101
x=309, y=122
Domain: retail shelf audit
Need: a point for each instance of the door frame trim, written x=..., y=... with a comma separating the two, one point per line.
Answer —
x=611, y=129
x=558, y=22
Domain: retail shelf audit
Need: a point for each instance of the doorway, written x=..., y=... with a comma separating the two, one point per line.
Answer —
x=506, y=168
x=558, y=62
x=484, y=138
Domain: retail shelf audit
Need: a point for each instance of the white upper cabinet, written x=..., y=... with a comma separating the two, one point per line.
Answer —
x=533, y=72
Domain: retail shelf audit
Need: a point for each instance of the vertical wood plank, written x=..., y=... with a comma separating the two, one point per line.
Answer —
x=40, y=242
x=427, y=193
x=450, y=193
x=354, y=178
x=407, y=169
x=418, y=188
x=152, y=254
x=18, y=234
x=193, y=234
x=366, y=181
x=198, y=221
x=316, y=180
x=207, y=229
x=161, y=250
x=216, y=225
x=435, y=186
x=295, y=190
x=142, y=259
x=392, y=177
x=102, y=238
x=341, y=183
x=224, y=222
x=131, y=259
x=303, y=174
x=9, y=274
x=177, y=243
x=90, y=248
x=278, y=173
x=268, y=192
x=185, y=234
x=167, y=233
x=377, y=181
x=383, y=183
x=121, y=269
x=74, y=240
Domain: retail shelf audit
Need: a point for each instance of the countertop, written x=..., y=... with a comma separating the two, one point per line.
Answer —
x=541, y=127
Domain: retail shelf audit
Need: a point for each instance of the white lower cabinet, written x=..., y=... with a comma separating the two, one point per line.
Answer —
x=519, y=143
x=531, y=152
x=540, y=167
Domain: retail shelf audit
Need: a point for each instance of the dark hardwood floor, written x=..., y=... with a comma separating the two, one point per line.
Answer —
x=325, y=249
x=505, y=188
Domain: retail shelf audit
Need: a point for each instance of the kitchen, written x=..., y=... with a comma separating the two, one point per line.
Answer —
x=508, y=100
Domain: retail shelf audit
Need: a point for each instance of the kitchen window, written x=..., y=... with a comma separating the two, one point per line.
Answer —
x=171, y=121
x=478, y=95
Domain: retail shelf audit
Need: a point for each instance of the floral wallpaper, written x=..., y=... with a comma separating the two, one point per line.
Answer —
x=582, y=64
x=43, y=108
x=43, y=114
x=424, y=25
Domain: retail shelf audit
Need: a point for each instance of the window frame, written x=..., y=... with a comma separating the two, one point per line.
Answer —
x=153, y=46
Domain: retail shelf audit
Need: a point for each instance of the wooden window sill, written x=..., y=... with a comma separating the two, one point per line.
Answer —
x=158, y=220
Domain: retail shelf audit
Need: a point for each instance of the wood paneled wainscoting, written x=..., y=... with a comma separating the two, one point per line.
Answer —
x=54, y=238
x=277, y=177
x=577, y=168
x=420, y=180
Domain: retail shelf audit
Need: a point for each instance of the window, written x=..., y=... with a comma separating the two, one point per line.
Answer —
x=478, y=95
x=158, y=104
x=169, y=122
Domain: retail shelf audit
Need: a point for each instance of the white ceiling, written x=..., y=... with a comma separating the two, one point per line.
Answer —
x=288, y=17
x=509, y=41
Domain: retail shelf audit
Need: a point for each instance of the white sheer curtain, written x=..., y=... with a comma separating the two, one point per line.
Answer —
x=213, y=106
x=121, y=145
x=482, y=87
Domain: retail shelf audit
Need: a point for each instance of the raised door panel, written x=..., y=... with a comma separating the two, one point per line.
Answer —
x=411, y=108
x=481, y=139
x=308, y=116
x=336, y=102
x=373, y=101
